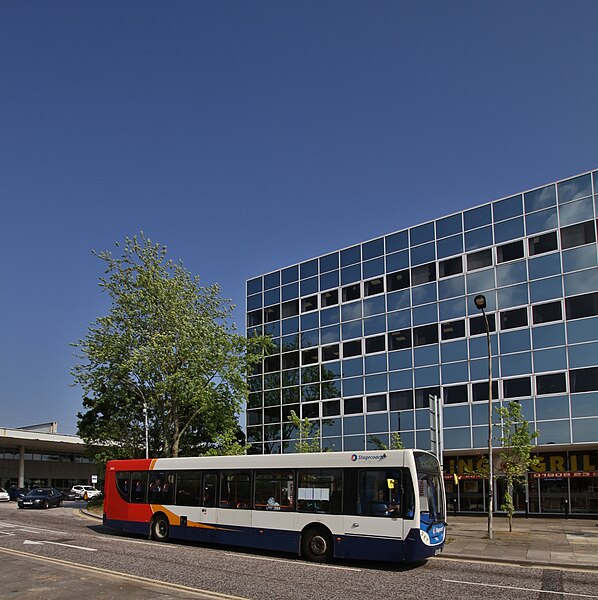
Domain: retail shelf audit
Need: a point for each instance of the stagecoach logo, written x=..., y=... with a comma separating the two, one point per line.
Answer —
x=366, y=457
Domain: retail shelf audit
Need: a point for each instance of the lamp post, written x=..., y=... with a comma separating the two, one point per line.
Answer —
x=146, y=429
x=480, y=302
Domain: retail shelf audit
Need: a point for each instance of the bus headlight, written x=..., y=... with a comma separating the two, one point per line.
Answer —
x=425, y=537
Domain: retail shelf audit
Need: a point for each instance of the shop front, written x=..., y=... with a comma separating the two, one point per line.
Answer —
x=562, y=483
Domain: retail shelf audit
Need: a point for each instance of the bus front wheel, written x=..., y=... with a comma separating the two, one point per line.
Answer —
x=316, y=545
x=160, y=529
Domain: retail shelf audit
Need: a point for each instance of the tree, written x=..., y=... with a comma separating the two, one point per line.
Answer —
x=396, y=443
x=515, y=455
x=166, y=344
x=309, y=434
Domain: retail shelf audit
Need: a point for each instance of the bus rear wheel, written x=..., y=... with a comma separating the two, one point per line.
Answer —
x=316, y=545
x=160, y=529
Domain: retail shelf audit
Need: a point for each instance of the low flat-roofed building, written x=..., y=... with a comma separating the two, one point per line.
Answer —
x=39, y=455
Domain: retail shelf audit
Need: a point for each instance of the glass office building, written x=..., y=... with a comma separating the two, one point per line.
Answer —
x=366, y=334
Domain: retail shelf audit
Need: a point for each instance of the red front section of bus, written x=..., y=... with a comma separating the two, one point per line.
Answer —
x=116, y=510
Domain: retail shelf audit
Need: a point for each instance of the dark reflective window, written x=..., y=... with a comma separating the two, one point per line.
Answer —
x=514, y=388
x=330, y=352
x=352, y=348
x=543, y=243
x=308, y=269
x=309, y=286
x=272, y=363
x=427, y=334
x=308, y=304
x=455, y=394
x=476, y=217
x=351, y=292
x=329, y=262
x=479, y=260
x=397, y=281
x=396, y=261
x=350, y=274
x=452, y=330
x=422, y=234
x=423, y=274
x=272, y=280
x=478, y=238
x=577, y=235
x=372, y=268
x=507, y=208
x=480, y=391
x=373, y=249
x=309, y=356
x=254, y=286
x=575, y=212
x=583, y=380
x=422, y=396
x=254, y=318
x=375, y=344
x=374, y=286
x=541, y=221
x=290, y=360
x=511, y=251
x=397, y=241
x=290, y=274
x=402, y=400
x=448, y=226
x=452, y=266
x=449, y=246
x=578, y=307
x=329, y=280
x=290, y=309
x=513, y=318
x=540, y=198
x=353, y=406
x=376, y=403
x=398, y=340
x=350, y=256
x=508, y=230
x=331, y=409
x=329, y=298
x=272, y=297
x=545, y=313
x=578, y=187
x=553, y=383
x=423, y=254
x=478, y=326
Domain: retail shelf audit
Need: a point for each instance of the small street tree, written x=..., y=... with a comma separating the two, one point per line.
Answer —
x=515, y=455
x=309, y=434
x=396, y=443
x=168, y=347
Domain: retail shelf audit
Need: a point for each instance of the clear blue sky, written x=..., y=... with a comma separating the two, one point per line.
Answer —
x=248, y=135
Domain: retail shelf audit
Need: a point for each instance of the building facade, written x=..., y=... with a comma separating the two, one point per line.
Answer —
x=365, y=335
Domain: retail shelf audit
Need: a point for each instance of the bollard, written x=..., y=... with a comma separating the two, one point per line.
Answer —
x=566, y=508
x=526, y=509
x=454, y=507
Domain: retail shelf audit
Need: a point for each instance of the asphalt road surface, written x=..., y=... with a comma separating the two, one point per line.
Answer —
x=64, y=534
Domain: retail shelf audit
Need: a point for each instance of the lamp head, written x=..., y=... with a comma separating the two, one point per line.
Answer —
x=480, y=301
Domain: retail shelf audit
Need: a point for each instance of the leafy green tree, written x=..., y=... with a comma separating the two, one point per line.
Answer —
x=396, y=443
x=515, y=455
x=166, y=344
x=309, y=434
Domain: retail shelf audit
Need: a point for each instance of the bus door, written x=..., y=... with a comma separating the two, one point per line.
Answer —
x=380, y=505
x=209, y=507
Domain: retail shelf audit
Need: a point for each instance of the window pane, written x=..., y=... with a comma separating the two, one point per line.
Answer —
x=513, y=318
x=319, y=490
x=577, y=235
x=514, y=388
x=540, y=198
x=543, y=243
x=511, y=251
x=544, y=313
x=553, y=383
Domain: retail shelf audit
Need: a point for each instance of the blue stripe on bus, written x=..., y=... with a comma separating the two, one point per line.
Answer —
x=345, y=546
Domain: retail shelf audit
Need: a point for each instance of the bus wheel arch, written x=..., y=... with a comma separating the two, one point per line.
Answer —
x=317, y=543
x=160, y=527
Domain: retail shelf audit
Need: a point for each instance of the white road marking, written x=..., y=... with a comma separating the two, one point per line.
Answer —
x=294, y=562
x=522, y=589
x=61, y=544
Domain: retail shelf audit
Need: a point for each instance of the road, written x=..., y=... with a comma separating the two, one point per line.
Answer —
x=63, y=534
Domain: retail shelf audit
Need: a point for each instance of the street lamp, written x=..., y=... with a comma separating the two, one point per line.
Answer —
x=480, y=302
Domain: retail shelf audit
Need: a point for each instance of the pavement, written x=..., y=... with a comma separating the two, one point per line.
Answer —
x=546, y=542
x=549, y=543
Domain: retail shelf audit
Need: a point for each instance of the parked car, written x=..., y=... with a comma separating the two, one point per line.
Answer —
x=40, y=498
x=4, y=495
x=14, y=492
x=85, y=492
x=68, y=494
